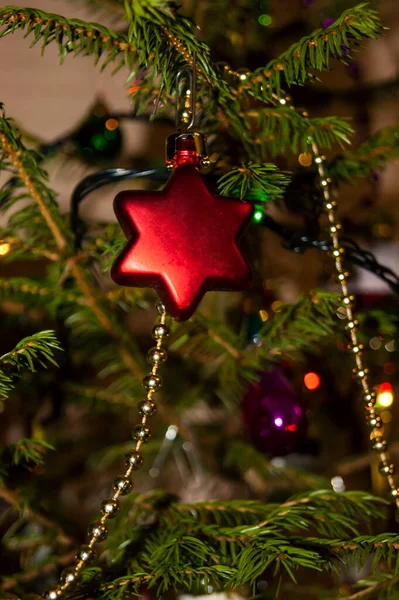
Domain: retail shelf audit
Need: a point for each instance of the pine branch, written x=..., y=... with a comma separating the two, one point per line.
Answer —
x=151, y=10
x=262, y=183
x=47, y=567
x=314, y=52
x=301, y=325
x=246, y=459
x=373, y=154
x=70, y=35
x=279, y=128
x=15, y=500
x=36, y=349
x=34, y=180
x=377, y=585
x=29, y=451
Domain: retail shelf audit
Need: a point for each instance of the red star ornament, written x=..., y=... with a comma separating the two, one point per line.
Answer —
x=182, y=241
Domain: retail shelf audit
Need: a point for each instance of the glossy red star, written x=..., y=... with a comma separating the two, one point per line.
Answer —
x=182, y=241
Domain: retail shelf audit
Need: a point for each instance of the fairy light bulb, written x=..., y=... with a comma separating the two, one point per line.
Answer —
x=385, y=395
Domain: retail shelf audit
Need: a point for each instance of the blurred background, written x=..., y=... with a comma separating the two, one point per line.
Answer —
x=50, y=102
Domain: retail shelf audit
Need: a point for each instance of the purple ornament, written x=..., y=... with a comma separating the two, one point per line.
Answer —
x=327, y=22
x=273, y=416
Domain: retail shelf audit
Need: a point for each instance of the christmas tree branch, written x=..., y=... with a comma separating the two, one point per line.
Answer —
x=373, y=154
x=31, y=574
x=24, y=164
x=252, y=178
x=36, y=349
x=314, y=52
x=71, y=35
x=279, y=128
x=15, y=500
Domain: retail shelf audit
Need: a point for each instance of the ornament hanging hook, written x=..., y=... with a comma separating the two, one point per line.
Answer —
x=186, y=96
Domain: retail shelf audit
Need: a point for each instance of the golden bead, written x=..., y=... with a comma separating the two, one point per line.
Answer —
x=147, y=408
x=379, y=445
x=352, y=325
x=386, y=469
x=161, y=309
x=160, y=331
x=142, y=433
x=395, y=492
x=109, y=508
x=338, y=252
x=134, y=460
x=369, y=397
x=98, y=531
x=54, y=594
x=335, y=228
x=374, y=421
x=68, y=576
x=347, y=300
x=356, y=349
x=342, y=277
x=156, y=356
x=85, y=554
x=331, y=205
x=152, y=382
x=123, y=485
x=360, y=373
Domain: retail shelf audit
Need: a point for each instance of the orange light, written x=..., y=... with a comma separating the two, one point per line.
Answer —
x=111, y=124
x=311, y=381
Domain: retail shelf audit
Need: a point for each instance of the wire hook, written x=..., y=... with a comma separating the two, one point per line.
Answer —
x=186, y=95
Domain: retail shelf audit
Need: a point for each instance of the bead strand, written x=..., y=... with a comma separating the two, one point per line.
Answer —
x=122, y=484
x=373, y=420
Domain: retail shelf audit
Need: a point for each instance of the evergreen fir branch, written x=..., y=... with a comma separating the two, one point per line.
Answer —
x=19, y=249
x=47, y=566
x=36, y=349
x=70, y=35
x=152, y=10
x=314, y=52
x=15, y=500
x=379, y=585
x=279, y=128
x=254, y=181
x=246, y=459
x=373, y=154
x=301, y=325
x=33, y=178
x=38, y=294
x=29, y=451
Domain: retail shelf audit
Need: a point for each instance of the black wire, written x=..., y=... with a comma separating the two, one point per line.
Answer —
x=97, y=180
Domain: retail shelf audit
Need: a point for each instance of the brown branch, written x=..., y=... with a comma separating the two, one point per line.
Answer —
x=76, y=270
x=370, y=589
x=14, y=499
x=27, y=576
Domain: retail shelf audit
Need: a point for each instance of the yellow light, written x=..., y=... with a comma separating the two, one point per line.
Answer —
x=386, y=416
x=385, y=399
x=264, y=315
x=111, y=124
x=276, y=305
x=305, y=159
x=5, y=248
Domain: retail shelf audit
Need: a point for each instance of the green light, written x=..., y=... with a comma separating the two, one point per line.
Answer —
x=98, y=141
x=258, y=216
x=265, y=20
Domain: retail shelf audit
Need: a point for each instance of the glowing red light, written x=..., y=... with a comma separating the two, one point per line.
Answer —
x=311, y=381
x=291, y=427
x=385, y=387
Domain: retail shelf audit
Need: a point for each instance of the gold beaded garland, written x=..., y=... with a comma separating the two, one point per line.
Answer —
x=122, y=484
x=373, y=420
